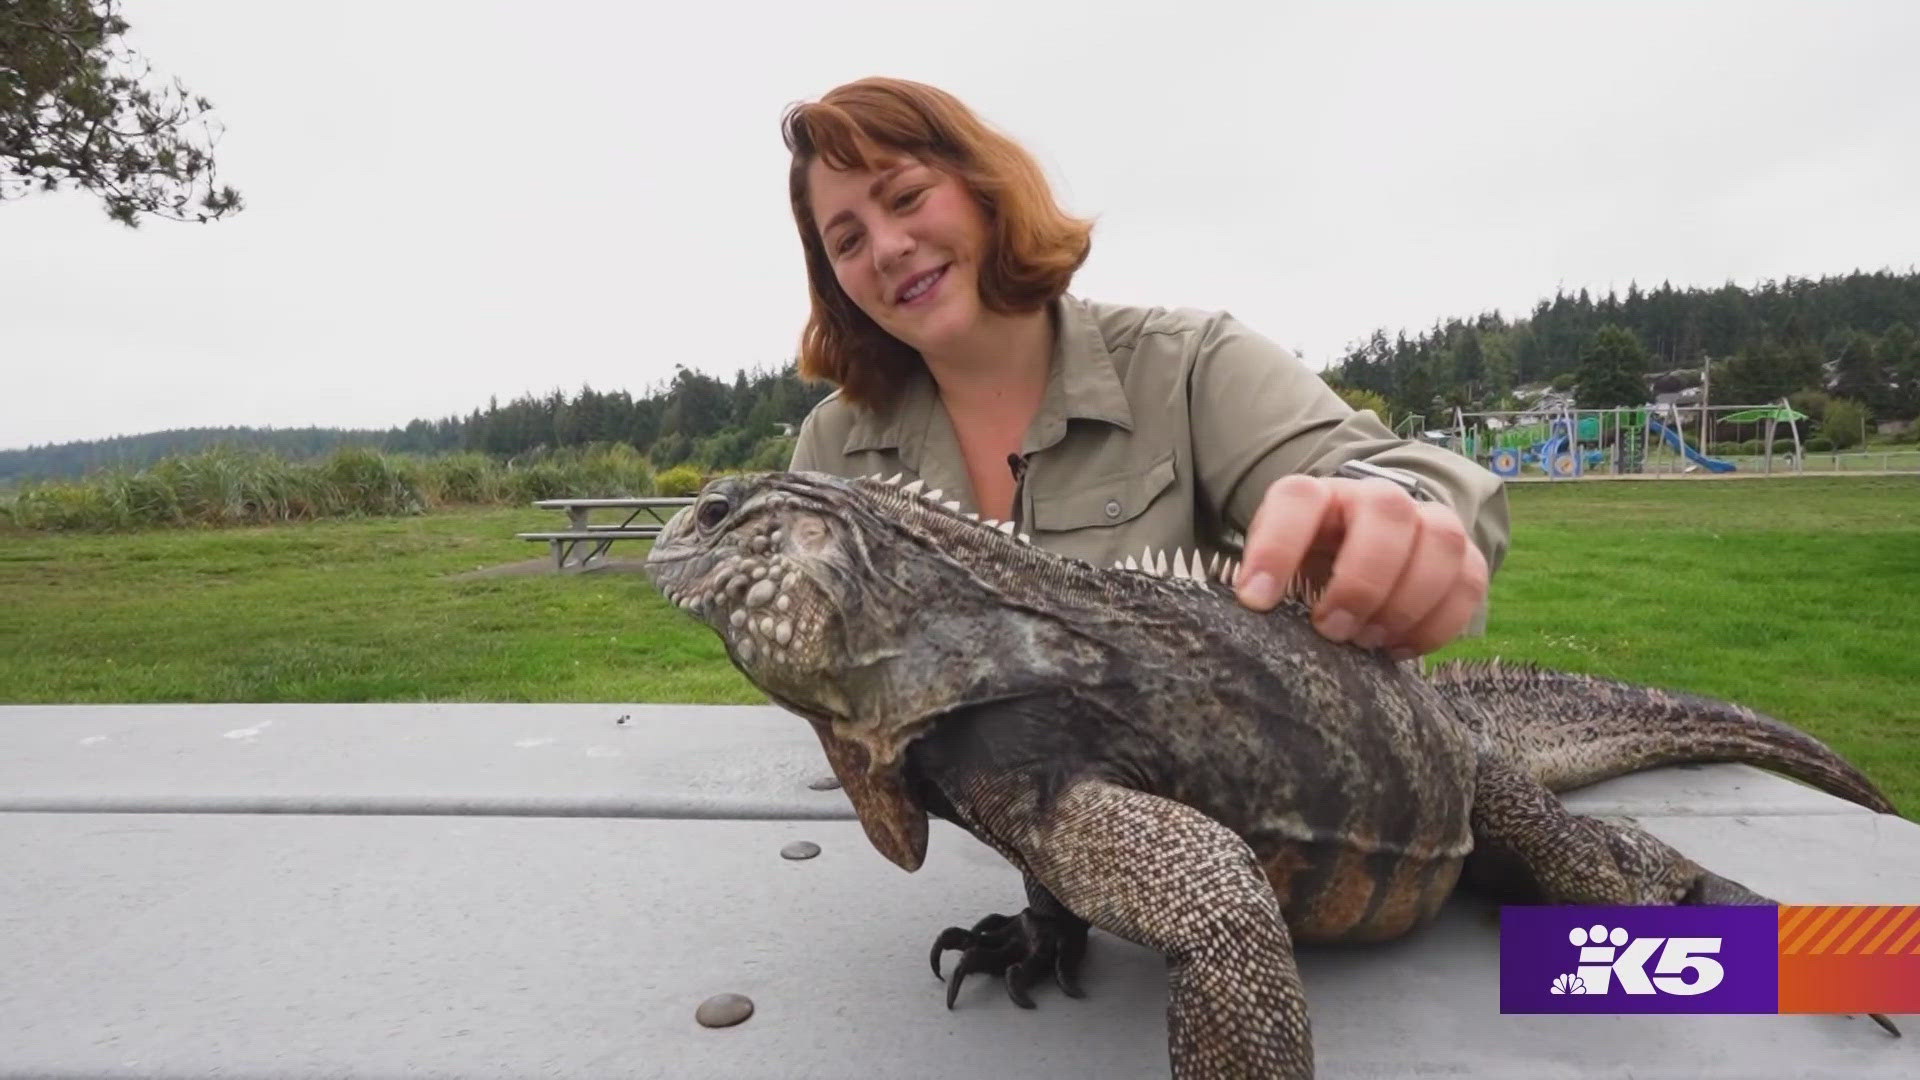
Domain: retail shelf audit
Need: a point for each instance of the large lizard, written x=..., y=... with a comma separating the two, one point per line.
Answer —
x=1170, y=766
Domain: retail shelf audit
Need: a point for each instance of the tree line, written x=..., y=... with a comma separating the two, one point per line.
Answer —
x=694, y=419
x=1852, y=336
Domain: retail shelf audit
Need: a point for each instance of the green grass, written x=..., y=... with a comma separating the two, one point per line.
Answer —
x=1798, y=596
x=349, y=610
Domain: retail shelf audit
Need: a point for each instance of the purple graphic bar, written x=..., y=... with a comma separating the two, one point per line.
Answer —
x=1566, y=959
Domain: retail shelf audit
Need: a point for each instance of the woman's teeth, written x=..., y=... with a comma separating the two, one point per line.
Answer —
x=922, y=285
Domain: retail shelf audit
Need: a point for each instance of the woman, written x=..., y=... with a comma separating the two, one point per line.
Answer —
x=938, y=264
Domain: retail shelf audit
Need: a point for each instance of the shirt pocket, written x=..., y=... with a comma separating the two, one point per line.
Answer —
x=1105, y=501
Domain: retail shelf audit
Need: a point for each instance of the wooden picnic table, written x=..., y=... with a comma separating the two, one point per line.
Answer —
x=594, y=538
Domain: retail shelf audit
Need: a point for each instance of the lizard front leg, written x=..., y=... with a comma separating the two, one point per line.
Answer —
x=1165, y=876
x=1044, y=939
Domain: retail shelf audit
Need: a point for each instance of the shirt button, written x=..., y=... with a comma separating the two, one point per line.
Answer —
x=1113, y=508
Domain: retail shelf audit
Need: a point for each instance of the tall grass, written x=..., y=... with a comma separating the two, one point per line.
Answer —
x=228, y=486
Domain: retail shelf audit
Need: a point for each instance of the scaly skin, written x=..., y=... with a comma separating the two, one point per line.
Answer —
x=1169, y=766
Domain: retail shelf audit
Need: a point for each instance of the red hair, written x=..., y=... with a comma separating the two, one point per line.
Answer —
x=1033, y=247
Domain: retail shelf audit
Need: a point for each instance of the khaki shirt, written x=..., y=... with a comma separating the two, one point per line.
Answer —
x=1159, y=429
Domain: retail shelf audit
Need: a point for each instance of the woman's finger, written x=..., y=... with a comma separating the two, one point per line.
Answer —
x=1382, y=529
x=1432, y=571
x=1292, y=516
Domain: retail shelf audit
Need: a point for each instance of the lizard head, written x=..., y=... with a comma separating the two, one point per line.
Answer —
x=758, y=561
x=843, y=600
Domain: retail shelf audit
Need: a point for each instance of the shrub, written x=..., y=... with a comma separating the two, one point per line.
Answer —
x=723, y=450
x=360, y=481
x=1366, y=401
x=460, y=480
x=670, y=450
x=1843, y=423
x=773, y=454
x=142, y=498
x=56, y=505
x=609, y=471
x=1812, y=402
x=541, y=480
x=1819, y=444
x=680, y=481
x=229, y=487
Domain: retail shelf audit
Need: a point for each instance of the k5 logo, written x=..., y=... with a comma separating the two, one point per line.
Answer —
x=1615, y=957
x=1572, y=959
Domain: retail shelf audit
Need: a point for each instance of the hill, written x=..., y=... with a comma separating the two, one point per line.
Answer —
x=140, y=451
x=1853, y=336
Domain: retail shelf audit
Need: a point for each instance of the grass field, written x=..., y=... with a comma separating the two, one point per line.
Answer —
x=1798, y=596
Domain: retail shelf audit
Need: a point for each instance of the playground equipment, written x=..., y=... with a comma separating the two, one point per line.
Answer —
x=1674, y=440
x=1559, y=446
x=1567, y=443
x=1773, y=416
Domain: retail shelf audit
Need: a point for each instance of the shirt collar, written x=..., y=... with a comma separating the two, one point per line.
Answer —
x=1081, y=385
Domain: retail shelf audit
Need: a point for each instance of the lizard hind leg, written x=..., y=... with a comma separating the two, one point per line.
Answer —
x=1528, y=844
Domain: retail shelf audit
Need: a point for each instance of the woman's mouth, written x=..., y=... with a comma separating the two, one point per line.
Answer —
x=919, y=287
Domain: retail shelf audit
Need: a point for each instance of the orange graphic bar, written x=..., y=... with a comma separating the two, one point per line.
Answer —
x=1877, y=917
x=1849, y=959
x=1892, y=926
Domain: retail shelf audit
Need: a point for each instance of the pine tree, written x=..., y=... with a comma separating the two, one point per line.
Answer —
x=75, y=108
x=1858, y=375
x=1900, y=361
x=1469, y=363
x=1610, y=370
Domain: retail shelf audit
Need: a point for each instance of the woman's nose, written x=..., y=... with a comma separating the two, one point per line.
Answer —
x=890, y=245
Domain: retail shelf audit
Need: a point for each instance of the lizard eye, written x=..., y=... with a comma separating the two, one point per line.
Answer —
x=713, y=510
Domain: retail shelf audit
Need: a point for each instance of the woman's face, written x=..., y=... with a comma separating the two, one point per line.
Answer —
x=906, y=242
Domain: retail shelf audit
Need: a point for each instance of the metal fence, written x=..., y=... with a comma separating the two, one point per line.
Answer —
x=1906, y=459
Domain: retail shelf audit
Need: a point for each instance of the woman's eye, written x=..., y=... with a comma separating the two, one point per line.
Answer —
x=846, y=244
x=911, y=197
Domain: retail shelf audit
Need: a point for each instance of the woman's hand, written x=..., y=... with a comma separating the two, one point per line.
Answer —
x=1399, y=574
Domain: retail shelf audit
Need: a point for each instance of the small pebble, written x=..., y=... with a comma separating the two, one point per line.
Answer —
x=800, y=849
x=724, y=1010
x=824, y=783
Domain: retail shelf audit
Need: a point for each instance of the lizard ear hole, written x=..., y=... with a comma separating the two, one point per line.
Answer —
x=713, y=510
x=807, y=533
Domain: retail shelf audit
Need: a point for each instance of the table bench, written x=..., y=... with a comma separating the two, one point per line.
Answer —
x=584, y=544
x=507, y=890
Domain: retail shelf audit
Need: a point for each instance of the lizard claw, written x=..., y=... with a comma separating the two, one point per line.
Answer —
x=951, y=938
x=1021, y=948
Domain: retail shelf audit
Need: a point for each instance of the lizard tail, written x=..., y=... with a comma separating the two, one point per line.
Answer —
x=1568, y=730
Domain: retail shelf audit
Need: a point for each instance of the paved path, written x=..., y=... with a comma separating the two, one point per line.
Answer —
x=541, y=890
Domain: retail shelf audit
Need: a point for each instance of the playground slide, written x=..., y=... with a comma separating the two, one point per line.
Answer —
x=1674, y=440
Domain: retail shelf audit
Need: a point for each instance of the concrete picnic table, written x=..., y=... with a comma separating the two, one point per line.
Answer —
x=552, y=890
x=597, y=538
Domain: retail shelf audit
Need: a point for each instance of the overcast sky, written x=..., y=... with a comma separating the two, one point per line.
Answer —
x=454, y=200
